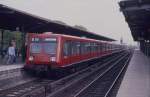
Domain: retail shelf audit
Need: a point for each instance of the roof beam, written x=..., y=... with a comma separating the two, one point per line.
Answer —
x=136, y=8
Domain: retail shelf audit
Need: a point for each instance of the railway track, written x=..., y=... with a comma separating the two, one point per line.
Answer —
x=12, y=82
x=51, y=88
x=103, y=85
x=58, y=85
x=72, y=89
x=21, y=90
x=16, y=81
x=10, y=73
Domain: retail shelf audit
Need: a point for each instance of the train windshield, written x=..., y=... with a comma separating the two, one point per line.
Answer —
x=50, y=48
x=48, y=45
x=35, y=47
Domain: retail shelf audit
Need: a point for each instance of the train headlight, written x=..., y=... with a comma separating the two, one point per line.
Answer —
x=53, y=59
x=31, y=58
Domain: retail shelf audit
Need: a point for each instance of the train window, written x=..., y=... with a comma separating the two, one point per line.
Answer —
x=103, y=47
x=83, y=48
x=78, y=47
x=100, y=47
x=110, y=46
x=88, y=47
x=92, y=47
x=50, y=47
x=97, y=48
x=73, y=48
x=35, y=47
x=106, y=46
x=66, y=48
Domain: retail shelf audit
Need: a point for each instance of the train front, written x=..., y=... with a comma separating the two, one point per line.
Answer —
x=41, y=53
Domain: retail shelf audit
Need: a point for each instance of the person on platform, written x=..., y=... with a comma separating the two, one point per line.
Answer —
x=11, y=53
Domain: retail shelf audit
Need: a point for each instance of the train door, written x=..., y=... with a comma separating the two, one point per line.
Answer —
x=75, y=51
x=103, y=48
x=78, y=44
x=100, y=48
x=88, y=49
x=66, y=52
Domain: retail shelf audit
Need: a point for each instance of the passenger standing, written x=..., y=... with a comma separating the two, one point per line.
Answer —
x=11, y=53
x=13, y=41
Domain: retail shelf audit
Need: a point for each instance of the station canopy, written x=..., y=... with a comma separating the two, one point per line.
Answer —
x=137, y=15
x=13, y=19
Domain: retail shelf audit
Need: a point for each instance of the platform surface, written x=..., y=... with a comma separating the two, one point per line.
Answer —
x=10, y=67
x=136, y=82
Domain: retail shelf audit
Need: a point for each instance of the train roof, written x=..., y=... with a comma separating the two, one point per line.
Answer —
x=74, y=37
x=63, y=35
x=69, y=36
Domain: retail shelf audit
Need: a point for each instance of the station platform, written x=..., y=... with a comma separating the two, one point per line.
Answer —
x=10, y=67
x=136, y=82
x=7, y=67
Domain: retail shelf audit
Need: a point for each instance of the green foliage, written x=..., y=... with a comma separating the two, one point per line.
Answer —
x=9, y=35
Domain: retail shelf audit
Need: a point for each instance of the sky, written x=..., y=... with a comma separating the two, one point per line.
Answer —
x=98, y=16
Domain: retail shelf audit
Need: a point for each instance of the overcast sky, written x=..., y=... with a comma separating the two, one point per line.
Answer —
x=99, y=16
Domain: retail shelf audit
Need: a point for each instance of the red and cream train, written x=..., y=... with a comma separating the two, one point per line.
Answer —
x=49, y=51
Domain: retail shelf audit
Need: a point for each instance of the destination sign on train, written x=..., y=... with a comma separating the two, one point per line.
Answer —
x=35, y=39
x=49, y=39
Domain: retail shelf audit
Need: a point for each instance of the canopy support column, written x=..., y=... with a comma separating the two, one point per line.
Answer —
x=23, y=47
x=2, y=43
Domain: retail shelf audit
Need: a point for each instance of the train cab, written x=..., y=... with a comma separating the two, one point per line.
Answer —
x=42, y=50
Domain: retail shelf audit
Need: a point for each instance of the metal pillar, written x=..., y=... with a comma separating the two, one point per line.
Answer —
x=2, y=43
x=23, y=47
x=148, y=48
x=145, y=47
x=142, y=46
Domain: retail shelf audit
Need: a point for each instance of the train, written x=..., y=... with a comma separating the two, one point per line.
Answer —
x=48, y=51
